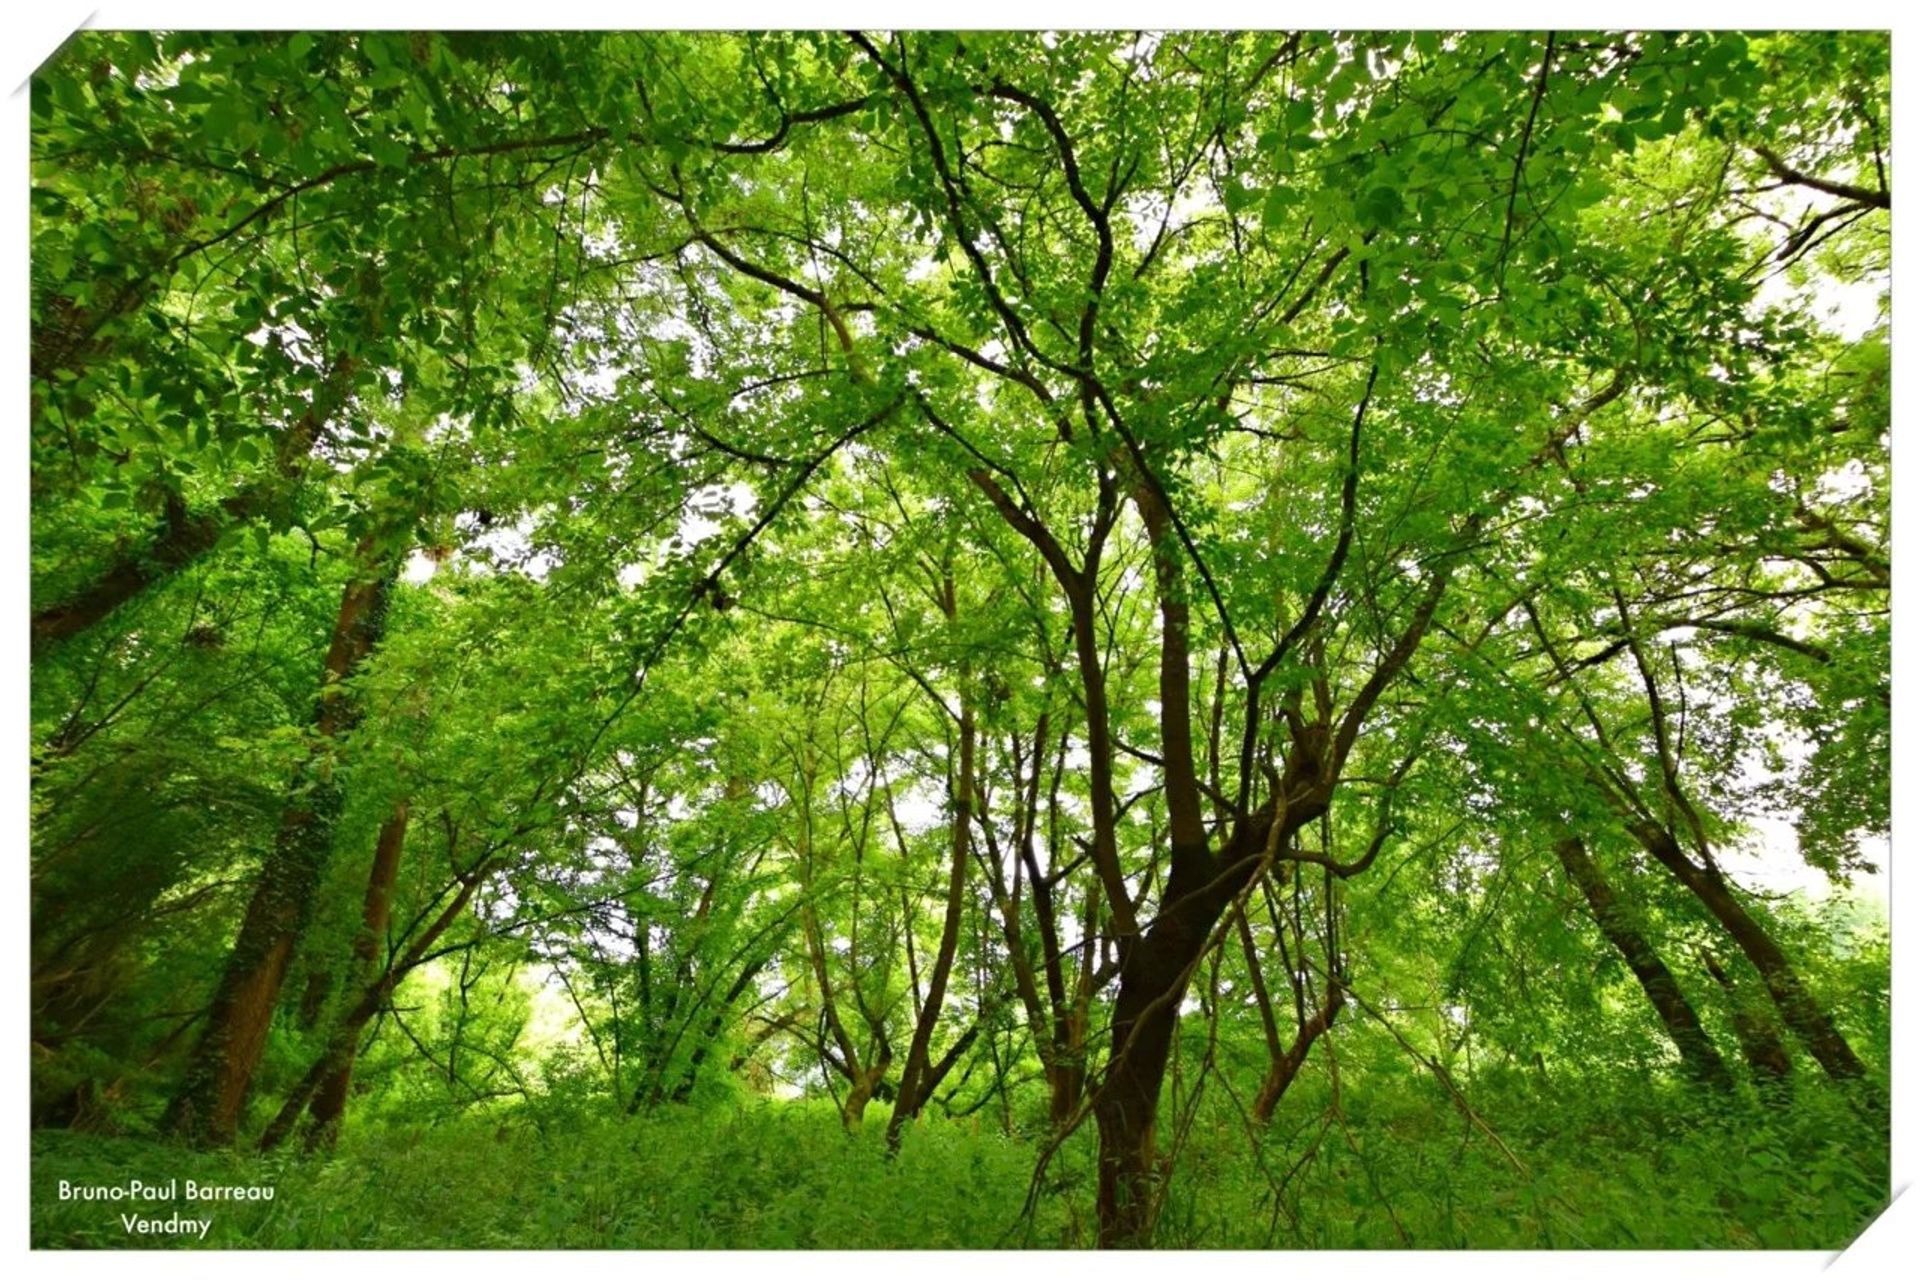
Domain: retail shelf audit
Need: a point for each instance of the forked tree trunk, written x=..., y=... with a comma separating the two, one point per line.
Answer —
x=211, y=1100
x=853, y=1109
x=1057, y=1015
x=715, y=1026
x=915, y=1079
x=863, y=1077
x=1146, y=1013
x=1616, y=922
x=1284, y=1061
x=1153, y=980
x=1285, y=1067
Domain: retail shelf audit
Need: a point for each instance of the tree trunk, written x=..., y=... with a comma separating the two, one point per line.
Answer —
x=865, y=1081
x=715, y=1025
x=347, y=1030
x=1153, y=980
x=1070, y=1072
x=313, y=1001
x=1145, y=1014
x=1286, y=1066
x=914, y=1084
x=1798, y=1009
x=1767, y=1060
x=182, y=537
x=330, y=1101
x=212, y=1096
x=1616, y=922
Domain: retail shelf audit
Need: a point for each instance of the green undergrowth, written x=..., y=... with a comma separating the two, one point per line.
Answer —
x=1624, y=1166
x=764, y=1177
x=1576, y=1169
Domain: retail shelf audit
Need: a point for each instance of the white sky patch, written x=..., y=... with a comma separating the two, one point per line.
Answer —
x=1844, y=484
x=708, y=505
x=1848, y=309
x=1769, y=861
x=420, y=567
x=511, y=547
x=920, y=808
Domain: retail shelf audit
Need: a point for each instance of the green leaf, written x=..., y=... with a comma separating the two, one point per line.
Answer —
x=389, y=153
x=1279, y=206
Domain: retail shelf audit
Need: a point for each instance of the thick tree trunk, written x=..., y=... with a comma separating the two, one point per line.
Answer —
x=182, y=537
x=212, y=1096
x=330, y=1100
x=915, y=1085
x=1767, y=1059
x=1616, y=922
x=347, y=1030
x=1798, y=1009
x=1153, y=980
x=1152, y=983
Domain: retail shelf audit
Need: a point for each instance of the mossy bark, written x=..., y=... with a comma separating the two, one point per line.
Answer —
x=211, y=1101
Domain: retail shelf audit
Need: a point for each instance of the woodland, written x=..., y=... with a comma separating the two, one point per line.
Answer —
x=988, y=640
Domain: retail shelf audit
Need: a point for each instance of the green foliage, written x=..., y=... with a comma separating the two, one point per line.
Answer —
x=1610, y=1169
x=915, y=558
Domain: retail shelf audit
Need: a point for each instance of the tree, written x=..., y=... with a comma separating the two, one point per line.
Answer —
x=940, y=567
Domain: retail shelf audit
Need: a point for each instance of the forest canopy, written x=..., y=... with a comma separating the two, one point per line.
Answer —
x=892, y=639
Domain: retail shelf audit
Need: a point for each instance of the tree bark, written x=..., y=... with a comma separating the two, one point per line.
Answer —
x=1156, y=964
x=1070, y=1040
x=1767, y=1060
x=330, y=1101
x=182, y=537
x=1154, y=973
x=1798, y=1009
x=914, y=1084
x=208, y=1107
x=1285, y=1067
x=347, y=1029
x=1616, y=922
x=862, y=1078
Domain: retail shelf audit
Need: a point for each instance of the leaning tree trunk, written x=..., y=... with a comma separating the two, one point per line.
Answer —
x=1767, y=1060
x=212, y=1096
x=1798, y=1009
x=330, y=1100
x=347, y=1030
x=716, y=1025
x=181, y=537
x=1616, y=922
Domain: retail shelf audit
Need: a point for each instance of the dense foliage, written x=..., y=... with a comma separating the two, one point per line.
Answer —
x=977, y=640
